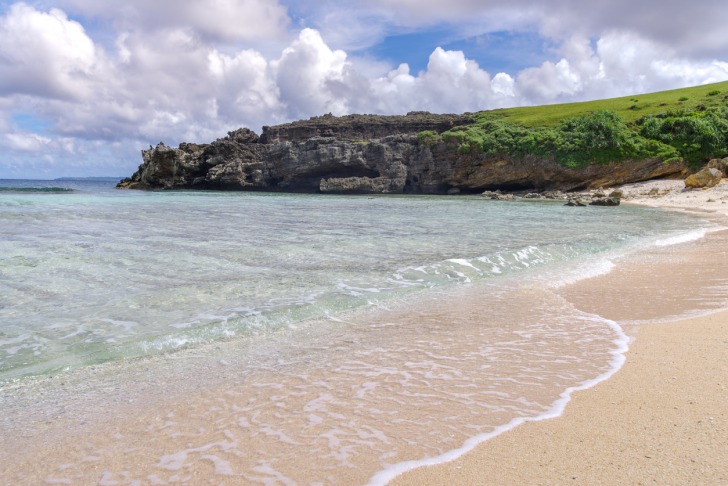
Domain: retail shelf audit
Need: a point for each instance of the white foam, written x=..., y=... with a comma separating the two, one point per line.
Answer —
x=682, y=238
x=555, y=410
x=358, y=291
x=464, y=263
x=594, y=269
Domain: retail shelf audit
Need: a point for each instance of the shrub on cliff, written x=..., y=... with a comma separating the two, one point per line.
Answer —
x=697, y=136
x=491, y=137
x=597, y=138
x=603, y=137
x=687, y=124
x=428, y=137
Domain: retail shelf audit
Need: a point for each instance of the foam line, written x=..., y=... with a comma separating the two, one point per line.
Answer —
x=555, y=410
x=682, y=238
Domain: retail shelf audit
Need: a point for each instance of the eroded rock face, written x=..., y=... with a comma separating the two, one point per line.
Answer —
x=366, y=154
x=361, y=127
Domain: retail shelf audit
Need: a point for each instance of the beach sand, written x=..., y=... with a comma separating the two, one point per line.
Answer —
x=663, y=418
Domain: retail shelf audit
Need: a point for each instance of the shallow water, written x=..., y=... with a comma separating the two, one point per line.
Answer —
x=322, y=337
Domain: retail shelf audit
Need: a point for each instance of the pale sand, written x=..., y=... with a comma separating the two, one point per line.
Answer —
x=663, y=418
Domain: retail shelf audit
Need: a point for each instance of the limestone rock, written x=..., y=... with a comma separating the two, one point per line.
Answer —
x=605, y=201
x=361, y=127
x=368, y=154
x=706, y=177
x=618, y=193
x=577, y=201
x=499, y=196
x=720, y=164
x=554, y=195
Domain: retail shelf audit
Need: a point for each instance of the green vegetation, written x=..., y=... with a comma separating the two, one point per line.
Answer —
x=650, y=104
x=688, y=124
x=697, y=136
x=428, y=137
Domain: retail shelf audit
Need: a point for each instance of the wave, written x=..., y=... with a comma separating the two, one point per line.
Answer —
x=465, y=270
x=686, y=237
x=554, y=410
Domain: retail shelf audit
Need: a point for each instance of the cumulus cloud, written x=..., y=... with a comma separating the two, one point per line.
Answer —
x=217, y=20
x=621, y=63
x=451, y=83
x=45, y=54
x=312, y=77
x=26, y=142
x=694, y=30
x=192, y=71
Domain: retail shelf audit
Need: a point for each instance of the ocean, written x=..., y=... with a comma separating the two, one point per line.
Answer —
x=293, y=338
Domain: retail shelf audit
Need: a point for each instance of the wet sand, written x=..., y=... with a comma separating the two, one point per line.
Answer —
x=670, y=412
x=663, y=418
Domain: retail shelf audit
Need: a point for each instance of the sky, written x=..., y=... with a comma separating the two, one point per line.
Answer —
x=85, y=85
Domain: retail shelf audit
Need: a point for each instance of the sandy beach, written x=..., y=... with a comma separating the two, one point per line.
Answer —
x=233, y=413
x=663, y=418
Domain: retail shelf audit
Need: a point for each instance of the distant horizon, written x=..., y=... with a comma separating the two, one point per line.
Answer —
x=66, y=178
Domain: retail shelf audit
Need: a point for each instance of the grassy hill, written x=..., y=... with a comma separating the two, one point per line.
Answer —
x=629, y=108
x=689, y=124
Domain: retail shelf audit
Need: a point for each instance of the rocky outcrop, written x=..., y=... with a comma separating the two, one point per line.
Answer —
x=707, y=177
x=361, y=127
x=368, y=154
x=720, y=164
x=233, y=162
x=605, y=201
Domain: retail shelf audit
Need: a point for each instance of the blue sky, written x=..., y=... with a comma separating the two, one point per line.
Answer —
x=86, y=84
x=503, y=51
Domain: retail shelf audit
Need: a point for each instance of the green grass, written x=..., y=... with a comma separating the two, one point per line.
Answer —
x=690, y=99
x=689, y=124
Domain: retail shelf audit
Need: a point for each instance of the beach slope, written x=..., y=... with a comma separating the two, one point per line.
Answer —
x=663, y=418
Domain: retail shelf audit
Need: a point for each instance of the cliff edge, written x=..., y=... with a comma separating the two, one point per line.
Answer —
x=369, y=154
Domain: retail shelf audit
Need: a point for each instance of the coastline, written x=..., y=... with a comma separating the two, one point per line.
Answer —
x=153, y=425
x=663, y=417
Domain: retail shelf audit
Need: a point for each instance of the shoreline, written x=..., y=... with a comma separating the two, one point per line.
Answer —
x=656, y=420
x=203, y=421
x=662, y=417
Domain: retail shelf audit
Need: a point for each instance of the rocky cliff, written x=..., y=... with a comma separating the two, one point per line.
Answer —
x=366, y=154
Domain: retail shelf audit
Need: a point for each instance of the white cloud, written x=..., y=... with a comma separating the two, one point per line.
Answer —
x=26, y=142
x=697, y=29
x=312, y=77
x=451, y=84
x=242, y=85
x=191, y=71
x=45, y=54
x=216, y=20
x=622, y=63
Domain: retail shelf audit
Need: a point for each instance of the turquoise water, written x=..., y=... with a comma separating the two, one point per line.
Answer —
x=90, y=274
x=291, y=339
